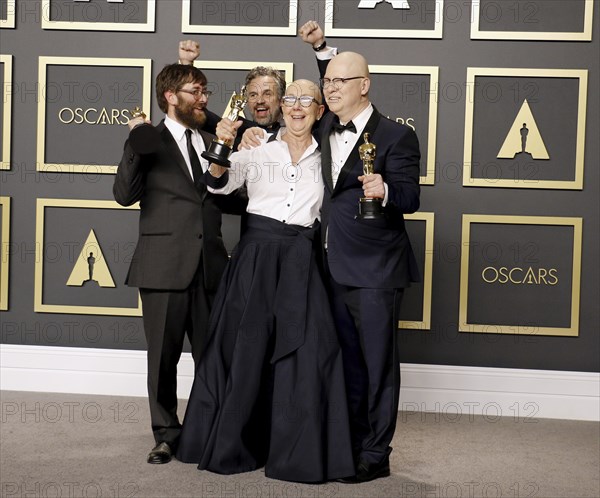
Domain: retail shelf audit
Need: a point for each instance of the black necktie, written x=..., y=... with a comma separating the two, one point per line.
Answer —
x=194, y=161
x=340, y=128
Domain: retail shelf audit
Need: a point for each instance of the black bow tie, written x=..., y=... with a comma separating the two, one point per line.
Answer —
x=272, y=127
x=340, y=128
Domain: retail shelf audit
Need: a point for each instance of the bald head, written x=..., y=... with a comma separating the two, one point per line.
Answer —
x=352, y=62
x=346, y=85
x=304, y=87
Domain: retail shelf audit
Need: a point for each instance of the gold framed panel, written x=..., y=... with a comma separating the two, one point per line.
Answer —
x=573, y=329
x=9, y=22
x=577, y=183
x=332, y=32
x=479, y=34
x=39, y=305
x=433, y=73
x=4, y=252
x=264, y=30
x=148, y=26
x=6, y=61
x=44, y=62
x=425, y=322
x=286, y=67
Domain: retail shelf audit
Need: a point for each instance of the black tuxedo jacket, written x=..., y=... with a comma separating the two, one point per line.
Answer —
x=179, y=222
x=372, y=253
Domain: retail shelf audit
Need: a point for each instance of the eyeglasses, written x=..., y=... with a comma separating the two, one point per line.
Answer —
x=197, y=93
x=336, y=82
x=305, y=100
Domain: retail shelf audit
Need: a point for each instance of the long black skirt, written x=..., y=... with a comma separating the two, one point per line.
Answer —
x=269, y=390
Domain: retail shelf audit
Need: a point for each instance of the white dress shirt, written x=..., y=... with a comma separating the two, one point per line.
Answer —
x=277, y=188
x=178, y=132
x=343, y=143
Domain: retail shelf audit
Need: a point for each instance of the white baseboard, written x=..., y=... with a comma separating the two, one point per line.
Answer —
x=437, y=391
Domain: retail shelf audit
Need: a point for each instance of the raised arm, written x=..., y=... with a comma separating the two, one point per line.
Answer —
x=312, y=34
x=189, y=51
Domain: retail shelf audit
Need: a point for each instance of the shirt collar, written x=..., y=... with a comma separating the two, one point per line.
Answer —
x=361, y=120
x=278, y=137
x=176, y=129
x=272, y=128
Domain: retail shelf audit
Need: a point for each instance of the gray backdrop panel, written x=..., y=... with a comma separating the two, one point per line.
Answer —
x=448, y=198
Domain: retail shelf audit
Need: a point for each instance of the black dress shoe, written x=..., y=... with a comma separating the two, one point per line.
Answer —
x=366, y=472
x=161, y=453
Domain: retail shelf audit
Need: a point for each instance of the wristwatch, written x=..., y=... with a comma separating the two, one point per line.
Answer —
x=320, y=47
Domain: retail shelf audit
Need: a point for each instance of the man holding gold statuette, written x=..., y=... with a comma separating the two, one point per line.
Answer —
x=371, y=172
x=269, y=391
x=264, y=88
x=180, y=256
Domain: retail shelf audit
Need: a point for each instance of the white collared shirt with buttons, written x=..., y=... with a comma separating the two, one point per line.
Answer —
x=277, y=188
x=343, y=143
x=178, y=132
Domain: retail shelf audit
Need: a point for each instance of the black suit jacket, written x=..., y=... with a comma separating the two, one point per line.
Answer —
x=178, y=221
x=372, y=253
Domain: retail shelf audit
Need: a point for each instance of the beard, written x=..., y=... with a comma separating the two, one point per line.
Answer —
x=189, y=116
x=271, y=116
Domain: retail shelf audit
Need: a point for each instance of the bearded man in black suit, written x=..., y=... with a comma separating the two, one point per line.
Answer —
x=180, y=255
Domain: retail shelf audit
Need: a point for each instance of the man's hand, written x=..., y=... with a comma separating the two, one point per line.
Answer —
x=227, y=130
x=189, y=50
x=312, y=33
x=372, y=185
x=132, y=123
x=216, y=171
x=251, y=138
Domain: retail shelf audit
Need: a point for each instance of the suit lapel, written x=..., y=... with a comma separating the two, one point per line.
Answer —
x=207, y=138
x=354, y=156
x=326, y=154
x=174, y=152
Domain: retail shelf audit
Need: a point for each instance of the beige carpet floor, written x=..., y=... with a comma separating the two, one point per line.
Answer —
x=65, y=445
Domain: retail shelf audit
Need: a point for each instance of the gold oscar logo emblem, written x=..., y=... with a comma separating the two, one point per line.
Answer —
x=524, y=137
x=91, y=266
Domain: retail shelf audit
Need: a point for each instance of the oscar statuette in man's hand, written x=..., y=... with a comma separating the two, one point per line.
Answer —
x=144, y=137
x=220, y=150
x=369, y=208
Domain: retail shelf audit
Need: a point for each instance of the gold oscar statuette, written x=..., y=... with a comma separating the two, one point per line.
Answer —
x=369, y=208
x=143, y=138
x=220, y=150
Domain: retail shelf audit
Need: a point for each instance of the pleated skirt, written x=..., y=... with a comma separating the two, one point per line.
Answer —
x=269, y=390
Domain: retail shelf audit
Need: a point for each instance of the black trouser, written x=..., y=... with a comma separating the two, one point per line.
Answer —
x=366, y=323
x=168, y=317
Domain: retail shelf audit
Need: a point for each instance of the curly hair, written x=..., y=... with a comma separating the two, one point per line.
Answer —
x=268, y=71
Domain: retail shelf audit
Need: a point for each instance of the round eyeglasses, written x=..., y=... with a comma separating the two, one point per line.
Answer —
x=305, y=100
x=336, y=82
x=197, y=93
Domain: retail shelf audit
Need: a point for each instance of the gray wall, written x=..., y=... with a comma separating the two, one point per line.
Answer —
x=447, y=198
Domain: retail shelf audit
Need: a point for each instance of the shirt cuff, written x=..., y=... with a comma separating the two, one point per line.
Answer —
x=216, y=183
x=385, y=197
x=327, y=53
